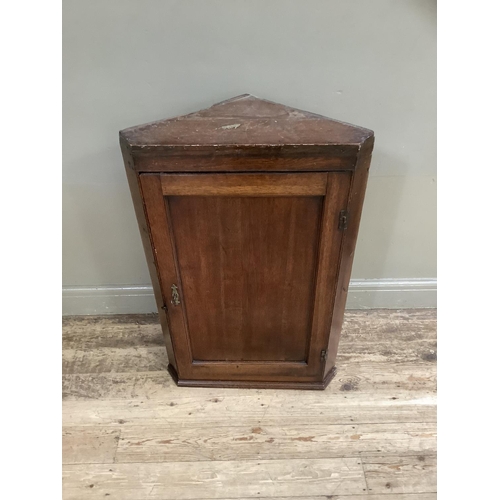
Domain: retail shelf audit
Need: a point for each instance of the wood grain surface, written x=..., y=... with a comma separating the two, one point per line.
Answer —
x=130, y=433
x=255, y=275
x=311, y=184
x=236, y=309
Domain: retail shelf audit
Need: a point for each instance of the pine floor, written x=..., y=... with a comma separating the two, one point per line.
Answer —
x=130, y=434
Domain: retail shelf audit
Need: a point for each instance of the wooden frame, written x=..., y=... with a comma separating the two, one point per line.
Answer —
x=284, y=184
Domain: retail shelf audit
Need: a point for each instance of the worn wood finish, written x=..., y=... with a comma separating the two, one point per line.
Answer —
x=150, y=359
x=222, y=410
x=409, y=496
x=252, y=210
x=192, y=480
x=246, y=125
x=89, y=445
x=103, y=360
x=165, y=443
x=235, y=185
x=191, y=443
x=375, y=329
x=130, y=433
x=263, y=478
x=400, y=474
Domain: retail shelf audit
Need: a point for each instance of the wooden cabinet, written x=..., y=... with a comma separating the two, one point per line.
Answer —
x=249, y=212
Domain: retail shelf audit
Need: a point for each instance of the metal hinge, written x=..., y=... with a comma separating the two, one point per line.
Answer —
x=324, y=354
x=343, y=219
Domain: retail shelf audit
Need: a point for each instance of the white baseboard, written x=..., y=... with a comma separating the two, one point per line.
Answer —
x=411, y=293
x=139, y=299
x=125, y=299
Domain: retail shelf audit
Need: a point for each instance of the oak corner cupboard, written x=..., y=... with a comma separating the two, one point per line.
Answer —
x=249, y=212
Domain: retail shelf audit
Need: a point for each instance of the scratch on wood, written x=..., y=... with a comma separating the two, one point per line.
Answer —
x=229, y=127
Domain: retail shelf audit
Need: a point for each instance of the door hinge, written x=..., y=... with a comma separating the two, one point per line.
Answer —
x=324, y=354
x=343, y=219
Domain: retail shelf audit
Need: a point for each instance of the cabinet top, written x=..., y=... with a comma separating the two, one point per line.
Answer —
x=244, y=122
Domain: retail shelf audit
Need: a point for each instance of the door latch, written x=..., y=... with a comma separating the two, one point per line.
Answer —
x=175, y=296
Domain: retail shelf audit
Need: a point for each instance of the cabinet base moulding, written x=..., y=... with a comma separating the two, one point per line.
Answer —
x=248, y=384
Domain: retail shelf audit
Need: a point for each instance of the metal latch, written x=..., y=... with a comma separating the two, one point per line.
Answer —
x=175, y=296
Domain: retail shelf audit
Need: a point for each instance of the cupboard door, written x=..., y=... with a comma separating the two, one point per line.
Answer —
x=248, y=265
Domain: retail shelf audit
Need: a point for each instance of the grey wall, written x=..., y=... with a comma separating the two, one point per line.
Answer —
x=126, y=62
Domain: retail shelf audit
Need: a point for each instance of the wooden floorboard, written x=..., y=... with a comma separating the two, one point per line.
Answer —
x=370, y=496
x=92, y=444
x=130, y=433
x=352, y=377
x=230, y=410
x=192, y=480
x=165, y=443
x=400, y=474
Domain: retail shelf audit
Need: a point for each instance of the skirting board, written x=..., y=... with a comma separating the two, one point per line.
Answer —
x=139, y=299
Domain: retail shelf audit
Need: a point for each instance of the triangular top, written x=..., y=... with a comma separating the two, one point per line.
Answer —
x=245, y=120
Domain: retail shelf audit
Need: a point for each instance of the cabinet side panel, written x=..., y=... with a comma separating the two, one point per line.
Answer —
x=355, y=205
x=137, y=199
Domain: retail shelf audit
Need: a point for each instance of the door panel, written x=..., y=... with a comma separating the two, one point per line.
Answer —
x=254, y=257
x=248, y=268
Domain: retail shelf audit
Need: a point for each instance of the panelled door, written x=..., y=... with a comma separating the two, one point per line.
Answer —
x=247, y=265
